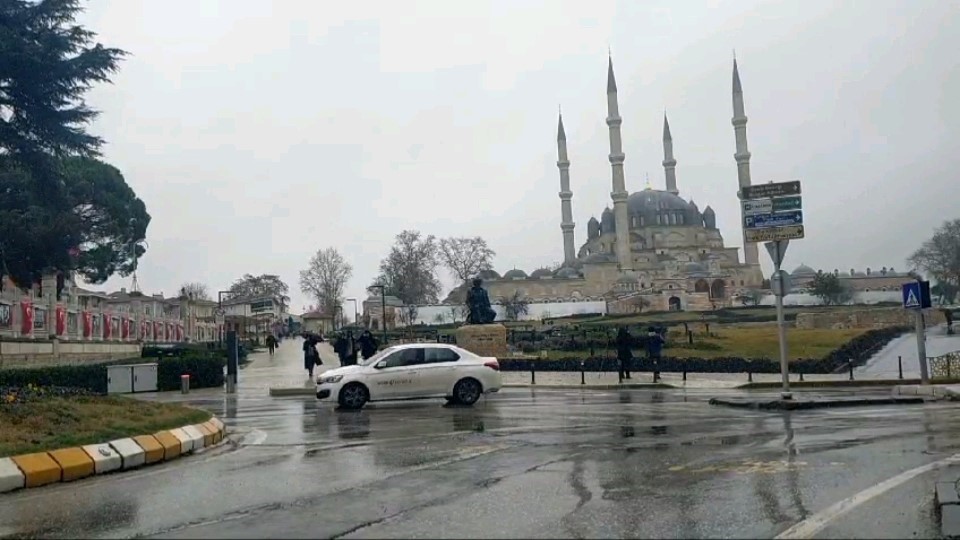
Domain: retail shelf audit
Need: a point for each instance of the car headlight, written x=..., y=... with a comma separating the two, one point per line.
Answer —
x=332, y=379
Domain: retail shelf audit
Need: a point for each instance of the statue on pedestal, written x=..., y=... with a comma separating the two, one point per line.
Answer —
x=478, y=305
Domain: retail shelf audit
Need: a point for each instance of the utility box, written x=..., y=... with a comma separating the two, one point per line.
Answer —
x=130, y=378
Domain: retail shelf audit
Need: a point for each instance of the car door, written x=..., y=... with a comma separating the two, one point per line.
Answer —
x=398, y=375
x=439, y=371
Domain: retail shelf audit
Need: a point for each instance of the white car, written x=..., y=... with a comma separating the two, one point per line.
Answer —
x=412, y=371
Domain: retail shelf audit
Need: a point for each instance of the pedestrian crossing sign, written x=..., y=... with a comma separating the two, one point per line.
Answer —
x=916, y=295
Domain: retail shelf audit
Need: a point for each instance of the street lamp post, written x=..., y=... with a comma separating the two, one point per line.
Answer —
x=220, y=310
x=356, y=310
x=383, y=310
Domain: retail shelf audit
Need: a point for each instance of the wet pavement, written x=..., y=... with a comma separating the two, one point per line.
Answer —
x=533, y=463
x=903, y=351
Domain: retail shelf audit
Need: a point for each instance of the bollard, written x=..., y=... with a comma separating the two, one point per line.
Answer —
x=185, y=384
x=900, y=366
x=533, y=375
x=850, y=367
x=801, y=376
x=948, y=367
x=690, y=336
x=749, y=376
x=583, y=379
x=684, y=374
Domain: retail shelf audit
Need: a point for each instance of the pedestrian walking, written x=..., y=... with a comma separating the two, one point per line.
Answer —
x=368, y=344
x=351, y=349
x=271, y=343
x=654, y=345
x=311, y=356
x=624, y=343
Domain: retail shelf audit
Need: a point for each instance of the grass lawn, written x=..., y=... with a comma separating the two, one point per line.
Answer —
x=49, y=423
x=753, y=341
x=705, y=316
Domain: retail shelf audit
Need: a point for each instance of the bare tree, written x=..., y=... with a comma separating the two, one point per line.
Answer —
x=195, y=290
x=939, y=256
x=325, y=278
x=465, y=257
x=409, y=271
x=516, y=306
x=750, y=297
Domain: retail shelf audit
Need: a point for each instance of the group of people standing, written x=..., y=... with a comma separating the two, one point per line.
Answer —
x=653, y=344
x=345, y=345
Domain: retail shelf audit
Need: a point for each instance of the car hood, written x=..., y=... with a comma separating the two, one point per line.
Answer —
x=346, y=370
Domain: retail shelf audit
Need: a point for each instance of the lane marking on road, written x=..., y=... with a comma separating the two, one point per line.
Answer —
x=817, y=522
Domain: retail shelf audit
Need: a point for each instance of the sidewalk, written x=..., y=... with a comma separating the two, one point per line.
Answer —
x=693, y=380
x=283, y=369
x=940, y=391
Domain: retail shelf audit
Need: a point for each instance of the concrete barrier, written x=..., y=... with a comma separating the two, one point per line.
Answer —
x=152, y=449
x=131, y=454
x=196, y=437
x=172, y=447
x=11, y=477
x=39, y=469
x=208, y=433
x=186, y=441
x=105, y=458
x=74, y=463
x=68, y=464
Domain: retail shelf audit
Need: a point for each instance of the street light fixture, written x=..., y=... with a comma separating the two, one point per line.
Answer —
x=383, y=310
x=221, y=312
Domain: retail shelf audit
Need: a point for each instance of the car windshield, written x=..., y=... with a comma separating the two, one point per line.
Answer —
x=376, y=358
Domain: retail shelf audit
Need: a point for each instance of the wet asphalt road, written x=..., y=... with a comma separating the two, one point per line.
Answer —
x=525, y=463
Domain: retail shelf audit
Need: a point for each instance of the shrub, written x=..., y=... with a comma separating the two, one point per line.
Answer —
x=89, y=377
x=205, y=371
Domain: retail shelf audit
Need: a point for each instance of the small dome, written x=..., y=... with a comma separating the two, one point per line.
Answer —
x=541, y=273
x=567, y=273
x=515, y=274
x=803, y=271
x=488, y=274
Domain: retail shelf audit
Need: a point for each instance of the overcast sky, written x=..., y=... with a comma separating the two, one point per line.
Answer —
x=259, y=131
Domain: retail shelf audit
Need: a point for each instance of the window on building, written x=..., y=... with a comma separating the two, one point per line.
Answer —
x=39, y=318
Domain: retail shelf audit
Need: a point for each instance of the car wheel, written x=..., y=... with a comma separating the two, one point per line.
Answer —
x=353, y=396
x=467, y=391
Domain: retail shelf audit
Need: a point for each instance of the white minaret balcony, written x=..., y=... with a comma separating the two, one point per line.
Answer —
x=563, y=164
x=614, y=121
x=617, y=158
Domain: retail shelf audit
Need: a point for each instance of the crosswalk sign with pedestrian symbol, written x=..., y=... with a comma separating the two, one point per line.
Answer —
x=916, y=295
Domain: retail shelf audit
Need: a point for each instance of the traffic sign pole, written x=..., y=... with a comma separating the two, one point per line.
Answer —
x=922, y=348
x=777, y=250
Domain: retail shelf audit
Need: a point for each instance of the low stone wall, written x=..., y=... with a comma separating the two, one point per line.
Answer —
x=483, y=339
x=866, y=318
x=42, y=353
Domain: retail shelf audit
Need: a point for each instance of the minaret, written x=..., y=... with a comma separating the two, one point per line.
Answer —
x=669, y=164
x=619, y=193
x=750, y=255
x=566, y=212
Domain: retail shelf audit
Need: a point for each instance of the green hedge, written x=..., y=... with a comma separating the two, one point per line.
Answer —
x=205, y=370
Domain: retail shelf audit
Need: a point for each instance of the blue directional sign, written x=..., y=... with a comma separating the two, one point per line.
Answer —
x=779, y=219
x=916, y=295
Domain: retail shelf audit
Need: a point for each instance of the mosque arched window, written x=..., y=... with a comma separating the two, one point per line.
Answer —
x=659, y=218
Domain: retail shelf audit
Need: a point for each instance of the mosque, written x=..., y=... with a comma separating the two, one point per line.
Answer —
x=654, y=249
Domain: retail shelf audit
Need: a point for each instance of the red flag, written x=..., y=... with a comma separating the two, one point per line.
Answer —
x=87, y=324
x=61, y=320
x=26, y=323
x=107, y=327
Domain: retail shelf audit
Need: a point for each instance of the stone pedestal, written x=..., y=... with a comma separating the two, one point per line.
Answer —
x=483, y=339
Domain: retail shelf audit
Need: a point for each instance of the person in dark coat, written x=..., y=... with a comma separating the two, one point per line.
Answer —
x=342, y=347
x=368, y=344
x=624, y=343
x=311, y=356
x=271, y=343
x=654, y=344
x=351, y=348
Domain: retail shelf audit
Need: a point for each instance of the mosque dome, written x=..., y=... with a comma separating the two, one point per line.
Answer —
x=651, y=201
x=541, y=273
x=515, y=274
x=488, y=274
x=567, y=273
x=803, y=271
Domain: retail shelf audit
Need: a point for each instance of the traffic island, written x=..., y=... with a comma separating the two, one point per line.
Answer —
x=93, y=434
x=813, y=403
